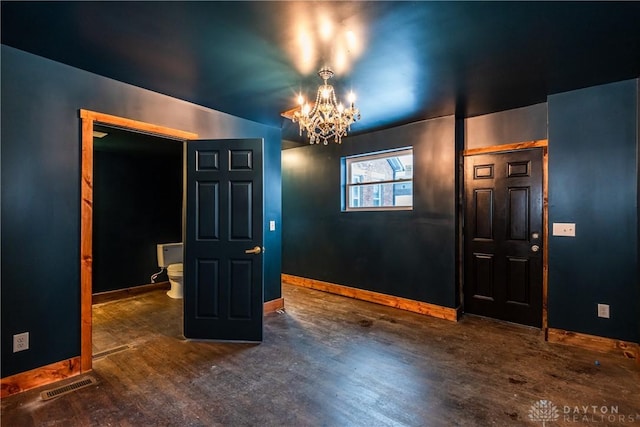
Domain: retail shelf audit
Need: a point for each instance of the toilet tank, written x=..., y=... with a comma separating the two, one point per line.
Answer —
x=169, y=253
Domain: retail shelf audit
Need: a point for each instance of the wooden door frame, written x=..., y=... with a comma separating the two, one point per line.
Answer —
x=497, y=149
x=88, y=119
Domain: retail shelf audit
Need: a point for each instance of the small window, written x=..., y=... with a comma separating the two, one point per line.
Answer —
x=379, y=181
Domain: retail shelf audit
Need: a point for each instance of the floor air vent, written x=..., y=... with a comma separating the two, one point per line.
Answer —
x=68, y=388
x=111, y=351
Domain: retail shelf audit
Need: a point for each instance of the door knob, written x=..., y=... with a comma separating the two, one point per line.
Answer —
x=255, y=251
x=535, y=248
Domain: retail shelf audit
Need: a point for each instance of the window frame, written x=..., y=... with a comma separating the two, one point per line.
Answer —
x=348, y=185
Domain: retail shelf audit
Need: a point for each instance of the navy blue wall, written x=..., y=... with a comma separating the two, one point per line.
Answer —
x=41, y=193
x=137, y=203
x=593, y=181
x=409, y=254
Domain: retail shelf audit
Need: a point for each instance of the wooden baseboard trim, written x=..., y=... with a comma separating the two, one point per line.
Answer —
x=44, y=375
x=127, y=292
x=420, y=307
x=629, y=350
x=273, y=305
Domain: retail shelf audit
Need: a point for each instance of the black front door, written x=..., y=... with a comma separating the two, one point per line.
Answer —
x=223, y=272
x=503, y=236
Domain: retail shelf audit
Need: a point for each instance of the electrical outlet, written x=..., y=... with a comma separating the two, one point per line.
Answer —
x=603, y=310
x=21, y=342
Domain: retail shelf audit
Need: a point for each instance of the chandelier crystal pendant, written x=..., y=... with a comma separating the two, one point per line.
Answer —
x=328, y=118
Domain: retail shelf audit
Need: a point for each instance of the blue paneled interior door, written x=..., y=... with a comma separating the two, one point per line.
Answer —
x=223, y=268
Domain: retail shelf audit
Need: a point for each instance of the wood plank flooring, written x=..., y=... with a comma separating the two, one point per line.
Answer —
x=333, y=361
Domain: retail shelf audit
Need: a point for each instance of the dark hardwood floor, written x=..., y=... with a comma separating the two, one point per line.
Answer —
x=333, y=361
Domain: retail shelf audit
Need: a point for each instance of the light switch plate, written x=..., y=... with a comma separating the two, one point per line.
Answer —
x=567, y=229
x=272, y=225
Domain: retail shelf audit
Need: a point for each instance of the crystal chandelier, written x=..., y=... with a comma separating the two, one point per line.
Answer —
x=328, y=118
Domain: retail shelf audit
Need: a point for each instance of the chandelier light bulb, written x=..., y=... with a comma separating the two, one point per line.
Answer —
x=351, y=97
x=300, y=99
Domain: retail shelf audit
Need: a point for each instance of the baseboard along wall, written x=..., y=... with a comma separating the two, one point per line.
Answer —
x=420, y=307
x=40, y=376
x=629, y=350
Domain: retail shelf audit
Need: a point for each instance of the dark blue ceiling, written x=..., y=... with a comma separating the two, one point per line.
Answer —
x=405, y=60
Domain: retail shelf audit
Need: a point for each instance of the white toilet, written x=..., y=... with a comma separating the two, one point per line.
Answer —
x=170, y=257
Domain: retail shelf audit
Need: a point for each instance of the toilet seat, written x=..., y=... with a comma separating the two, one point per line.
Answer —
x=175, y=269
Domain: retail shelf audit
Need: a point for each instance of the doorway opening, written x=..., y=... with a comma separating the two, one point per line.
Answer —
x=137, y=204
x=90, y=121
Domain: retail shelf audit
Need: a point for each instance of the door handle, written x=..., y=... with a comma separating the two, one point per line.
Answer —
x=535, y=248
x=255, y=251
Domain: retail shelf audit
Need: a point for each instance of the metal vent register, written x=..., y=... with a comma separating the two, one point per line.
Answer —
x=68, y=388
x=111, y=351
